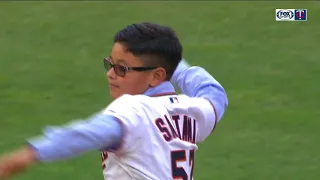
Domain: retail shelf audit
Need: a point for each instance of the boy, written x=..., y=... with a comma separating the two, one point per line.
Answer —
x=148, y=131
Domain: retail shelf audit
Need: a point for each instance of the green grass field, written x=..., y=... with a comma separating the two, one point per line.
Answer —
x=51, y=72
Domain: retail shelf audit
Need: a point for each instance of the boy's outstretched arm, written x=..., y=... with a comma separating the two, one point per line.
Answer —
x=100, y=132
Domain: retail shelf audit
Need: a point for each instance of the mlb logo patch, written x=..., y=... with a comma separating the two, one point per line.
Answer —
x=300, y=14
x=174, y=100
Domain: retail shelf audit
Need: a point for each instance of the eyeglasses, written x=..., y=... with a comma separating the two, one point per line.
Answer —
x=122, y=70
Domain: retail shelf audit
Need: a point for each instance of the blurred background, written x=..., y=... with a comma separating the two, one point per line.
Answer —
x=51, y=72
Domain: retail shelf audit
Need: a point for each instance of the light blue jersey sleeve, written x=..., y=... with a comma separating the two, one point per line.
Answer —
x=99, y=132
x=195, y=81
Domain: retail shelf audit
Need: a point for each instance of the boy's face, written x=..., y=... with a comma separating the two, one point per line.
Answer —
x=133, y=82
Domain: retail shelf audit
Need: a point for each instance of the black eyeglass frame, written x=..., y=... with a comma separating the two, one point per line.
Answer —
x=122, y=70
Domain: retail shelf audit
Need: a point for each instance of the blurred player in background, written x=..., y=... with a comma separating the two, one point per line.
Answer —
x=148, y=131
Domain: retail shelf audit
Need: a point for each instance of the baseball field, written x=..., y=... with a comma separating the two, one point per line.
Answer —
x=51, y=72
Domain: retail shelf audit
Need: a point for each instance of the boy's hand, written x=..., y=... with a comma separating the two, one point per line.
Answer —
x=16, y=162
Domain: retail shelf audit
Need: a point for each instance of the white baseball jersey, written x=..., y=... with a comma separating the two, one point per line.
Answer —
x=160, y=136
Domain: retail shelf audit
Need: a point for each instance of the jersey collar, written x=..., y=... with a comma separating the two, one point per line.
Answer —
x=163, y=89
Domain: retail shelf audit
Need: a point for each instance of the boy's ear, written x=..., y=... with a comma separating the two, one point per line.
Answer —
x=158, y=75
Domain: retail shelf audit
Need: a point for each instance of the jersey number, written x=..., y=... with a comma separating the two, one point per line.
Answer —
x=180, y=156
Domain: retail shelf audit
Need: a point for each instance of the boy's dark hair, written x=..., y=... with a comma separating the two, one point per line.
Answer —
x=156, y=45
